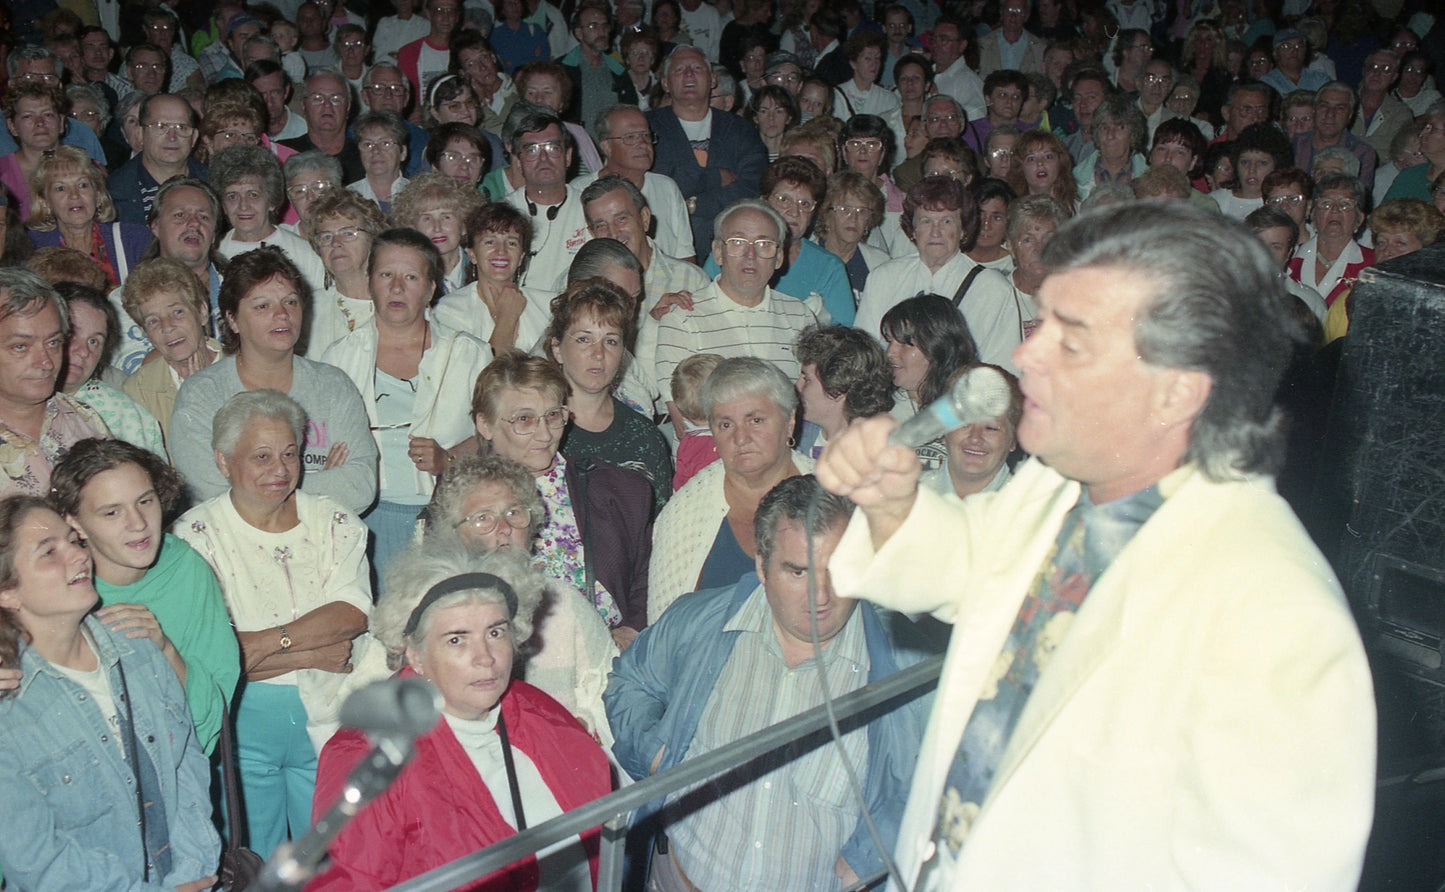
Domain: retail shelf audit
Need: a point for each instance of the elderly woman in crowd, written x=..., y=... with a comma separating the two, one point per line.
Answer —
x=90, y=108
x=1044, y=167
x=942, y=219
x=309, y=175
x=262, y=305
x=461, y=152
x=977, y=459
x=641, y=50
x=598, y=531
x=1332, y=259
x=1032, y=221
x=990, y=249
x=1289, y=189
x=853, y=208
x=704, y=537
x=1398, y=227
x=504, y=757
x=170, y=305
x=382, y=138
x=491, y=504
x=450, y=99
x=71, y=207
x=772, y=110
x=293, y=571
x=867, y=144
x=117, y=496
x=927, y=342
x=248, y=179
x=432, y=204
x=233, y=122
x=73, y=794
x=412, y=374
x=846, y=375
x=36, y=115
x=1120, y=134
x=343, y=225
x=495, y=308
x=1413, y=182
x=94, y=332
x=592, y=322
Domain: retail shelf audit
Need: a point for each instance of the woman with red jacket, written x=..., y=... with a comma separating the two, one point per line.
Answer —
x=456, y=620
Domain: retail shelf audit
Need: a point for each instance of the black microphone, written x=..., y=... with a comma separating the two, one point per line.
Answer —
x=981, y=394
x=396, y=707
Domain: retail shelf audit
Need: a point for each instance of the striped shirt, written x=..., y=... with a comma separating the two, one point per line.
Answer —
x=718, y=324
x=786, y=829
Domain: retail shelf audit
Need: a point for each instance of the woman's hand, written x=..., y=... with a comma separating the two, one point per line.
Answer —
x=9, y=679
x=137, y=621
x=337, y=456
x=428, y=455
x=510, y=303
x=623, y=636
x=669, y=300
x=200, y=885
x=333, y=657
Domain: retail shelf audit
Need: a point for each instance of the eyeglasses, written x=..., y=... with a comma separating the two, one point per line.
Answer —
x=847, y=211
x=147, y=66
x=461, y=158
x=331, y=99
x=1293, y=201
x=483, y=522
x=784, y=202
x=370, y=145
x=302, y=190
x=765, y=248
x=940, y=119
x=1000, y=153
x=1156, y=78
x=1343, y=205
x=552, y=147
x=864, y=145
x=170, y=127
x=344, y=234
x=352, y=44
x=393, y=89
x=1385, y=67
x=525, y=423
x=241, y=136
x=785, y=77
x=636, y=138
x=33, y=76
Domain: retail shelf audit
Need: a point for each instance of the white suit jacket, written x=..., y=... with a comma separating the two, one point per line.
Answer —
x=1207, y=722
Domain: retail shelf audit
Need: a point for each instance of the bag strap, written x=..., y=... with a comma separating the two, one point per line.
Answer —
x=230, y=783
x=511, y=770
x=964, y=286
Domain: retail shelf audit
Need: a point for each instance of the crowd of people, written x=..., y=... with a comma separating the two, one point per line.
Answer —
x=497, y=345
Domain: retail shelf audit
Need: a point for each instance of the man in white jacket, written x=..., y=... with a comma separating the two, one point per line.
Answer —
x=1154, y=680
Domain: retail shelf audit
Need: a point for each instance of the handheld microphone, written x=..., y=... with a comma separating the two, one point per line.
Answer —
x=981, y=394
x=396, y=707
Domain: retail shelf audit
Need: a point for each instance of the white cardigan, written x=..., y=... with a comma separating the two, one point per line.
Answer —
x=442, y=408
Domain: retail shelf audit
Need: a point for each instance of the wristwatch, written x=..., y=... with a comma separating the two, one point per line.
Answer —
x=285, y=639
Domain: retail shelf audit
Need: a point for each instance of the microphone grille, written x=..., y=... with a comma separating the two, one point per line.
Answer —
x=981, y=394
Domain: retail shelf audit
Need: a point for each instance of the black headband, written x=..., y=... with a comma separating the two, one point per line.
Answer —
x=464, y=582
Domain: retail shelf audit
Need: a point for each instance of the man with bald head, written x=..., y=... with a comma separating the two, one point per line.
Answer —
x=715, y=157
x=326, y=106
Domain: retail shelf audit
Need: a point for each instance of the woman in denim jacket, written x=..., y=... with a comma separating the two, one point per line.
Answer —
x=101, y=780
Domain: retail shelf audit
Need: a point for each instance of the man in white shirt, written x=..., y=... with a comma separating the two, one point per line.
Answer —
x=1009, y=45
x=543, y=150
x=702, y=22
x=626, y=140
x=952, y=76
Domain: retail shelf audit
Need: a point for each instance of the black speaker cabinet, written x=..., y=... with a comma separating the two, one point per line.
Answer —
x=1386, y=472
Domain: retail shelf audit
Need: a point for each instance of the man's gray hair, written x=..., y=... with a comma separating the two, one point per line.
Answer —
x=1339, y=87
x=240, y=410
x=437, y=558
x=529, y=117
x=88, y=92
x=175, y=183
x=1336, y=153
x=756, y=204
x=1229, y=320
x=317, y=160
x=32, y=54
x=938, y=98
x=602, y=123
x=789, y=502
x=679, y=50
x=390, y=120
x=740, y=376
x=366, y=79
x=340, y=78
x=596, y=257
x=603, y=186
x=23, y=293
x=234, y=162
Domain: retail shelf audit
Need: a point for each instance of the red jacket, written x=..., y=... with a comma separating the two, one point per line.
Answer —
x=438, y=809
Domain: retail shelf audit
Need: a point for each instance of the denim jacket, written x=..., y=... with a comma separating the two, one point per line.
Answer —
x=67, y=791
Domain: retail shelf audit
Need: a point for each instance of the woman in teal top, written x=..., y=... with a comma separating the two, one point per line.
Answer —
x=115, y=494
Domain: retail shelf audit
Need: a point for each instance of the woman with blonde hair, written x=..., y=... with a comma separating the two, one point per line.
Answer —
x=71, y=207
x=1043, y=166
x=432, y=204
x=343, y=224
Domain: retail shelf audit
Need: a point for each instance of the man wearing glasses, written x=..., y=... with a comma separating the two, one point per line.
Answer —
x=738, y=314
x=952, y=75
x=168, y=133
x=542, y=149
x=147, y=69
x=598, y=80
x=326, y=106
x=627, y=144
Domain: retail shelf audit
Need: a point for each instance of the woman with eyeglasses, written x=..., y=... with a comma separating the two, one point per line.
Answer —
x=641, y=52
x=451, y=99
x=72, y=208
x=309, y=175
x=598, y=532
x=382, y=138
x=867, y=148
x=460, y=151
x=412, y=373
x=853, y=206
x=345, y=224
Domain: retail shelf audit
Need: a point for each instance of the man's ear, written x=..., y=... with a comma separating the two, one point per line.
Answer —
x=1182, y=395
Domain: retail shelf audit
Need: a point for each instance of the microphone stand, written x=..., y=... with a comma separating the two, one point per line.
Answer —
x=293, y=863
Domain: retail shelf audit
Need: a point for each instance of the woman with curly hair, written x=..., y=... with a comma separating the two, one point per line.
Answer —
x=1043, y=166
x=433, y=205
x=71, y=208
